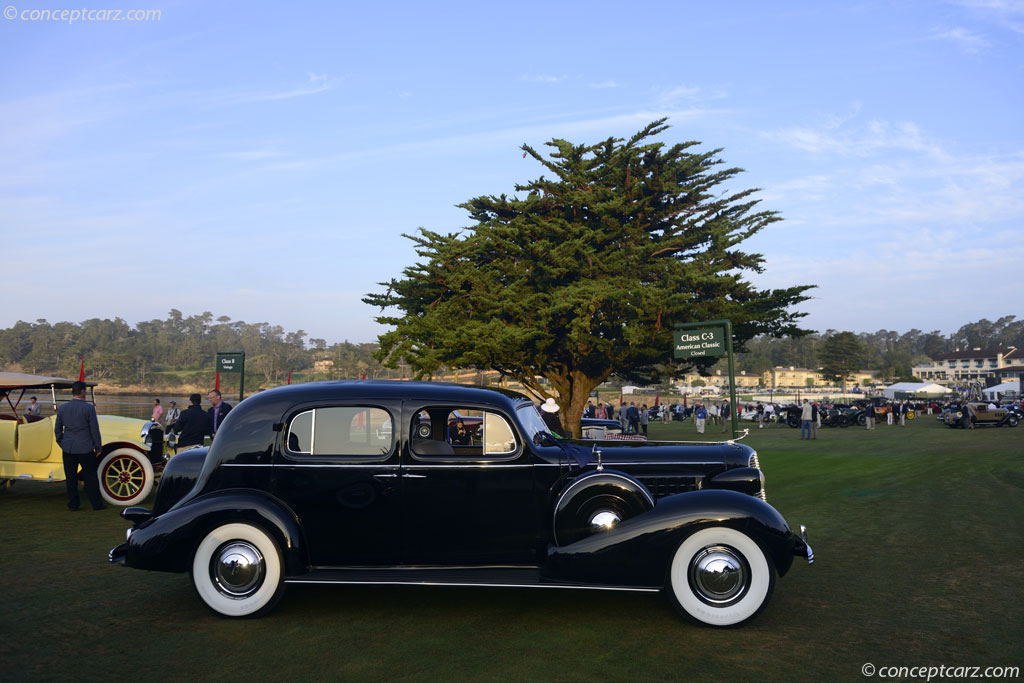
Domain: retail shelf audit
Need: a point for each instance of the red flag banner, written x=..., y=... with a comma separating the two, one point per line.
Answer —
x=216, y=382
x=81, y=370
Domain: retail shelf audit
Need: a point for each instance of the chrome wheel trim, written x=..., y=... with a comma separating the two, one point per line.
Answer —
x=718, y=575
x=604, y=519
x=237, y=569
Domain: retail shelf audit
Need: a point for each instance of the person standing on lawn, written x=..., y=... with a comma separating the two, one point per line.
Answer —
x=78, y=434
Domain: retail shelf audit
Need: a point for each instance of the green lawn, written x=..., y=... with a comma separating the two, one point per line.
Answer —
x=918, y=534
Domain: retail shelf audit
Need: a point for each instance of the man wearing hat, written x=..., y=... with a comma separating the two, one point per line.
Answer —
x=549, y=411
x=173, y=413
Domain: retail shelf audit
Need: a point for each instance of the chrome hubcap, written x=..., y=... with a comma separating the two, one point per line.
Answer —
x=237, y=569
x=604, y=519
x=718, y=574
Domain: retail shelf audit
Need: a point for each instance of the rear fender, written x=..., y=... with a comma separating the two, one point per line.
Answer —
x=637, y=551
x=167, y=542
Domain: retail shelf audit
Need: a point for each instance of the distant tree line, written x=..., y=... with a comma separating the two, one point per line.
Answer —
x=181, y=350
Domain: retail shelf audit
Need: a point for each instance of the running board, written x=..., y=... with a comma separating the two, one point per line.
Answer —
x=491, y=577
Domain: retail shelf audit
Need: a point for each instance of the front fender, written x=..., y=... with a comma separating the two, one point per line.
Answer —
x=168, y=541
x=637, y=551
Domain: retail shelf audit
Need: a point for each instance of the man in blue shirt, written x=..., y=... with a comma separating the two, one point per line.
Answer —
x=78, y=434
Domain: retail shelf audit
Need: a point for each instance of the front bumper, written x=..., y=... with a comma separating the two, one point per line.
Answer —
x=118, y=554
x=802, y=548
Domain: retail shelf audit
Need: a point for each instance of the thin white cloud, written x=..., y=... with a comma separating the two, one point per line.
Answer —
x=259, y=154
x=542, y=78
x=605, y=84
x=315, y=83
x=967, y=41
x=832, y=136
x=1008, y=14
x=678, y=94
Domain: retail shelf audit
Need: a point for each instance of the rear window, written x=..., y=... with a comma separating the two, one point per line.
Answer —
x=341, y=431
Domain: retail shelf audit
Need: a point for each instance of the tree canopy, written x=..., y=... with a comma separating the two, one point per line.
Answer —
x=584, y=275
x=841, y=355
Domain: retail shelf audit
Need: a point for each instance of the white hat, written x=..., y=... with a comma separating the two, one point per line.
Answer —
x=550, y=406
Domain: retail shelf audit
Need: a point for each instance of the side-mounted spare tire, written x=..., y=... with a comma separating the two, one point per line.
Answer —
x=596, y=502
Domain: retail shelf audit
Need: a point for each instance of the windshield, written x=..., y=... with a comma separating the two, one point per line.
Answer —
x=531, y=420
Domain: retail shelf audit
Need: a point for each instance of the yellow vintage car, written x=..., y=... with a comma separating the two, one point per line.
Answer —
x=29, y=451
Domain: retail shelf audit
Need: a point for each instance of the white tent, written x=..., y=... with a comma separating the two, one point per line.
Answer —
x=914, y=388
x=994, y=393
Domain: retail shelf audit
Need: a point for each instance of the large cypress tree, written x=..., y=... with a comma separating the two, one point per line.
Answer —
x=585, y=275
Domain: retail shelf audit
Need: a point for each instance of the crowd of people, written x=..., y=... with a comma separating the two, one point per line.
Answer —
x=808, y=415
x=191, y=426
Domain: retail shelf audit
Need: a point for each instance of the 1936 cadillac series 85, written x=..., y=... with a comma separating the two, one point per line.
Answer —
x=360, y=482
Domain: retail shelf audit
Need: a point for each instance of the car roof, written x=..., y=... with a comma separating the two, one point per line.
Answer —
x=398, y=389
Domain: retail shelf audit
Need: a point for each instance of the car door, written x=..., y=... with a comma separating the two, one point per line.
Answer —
x=467, y=505
x=337, y=468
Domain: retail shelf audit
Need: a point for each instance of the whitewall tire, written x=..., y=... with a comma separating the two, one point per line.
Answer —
x=237, y=570
x=126, y=477
x=720, y=577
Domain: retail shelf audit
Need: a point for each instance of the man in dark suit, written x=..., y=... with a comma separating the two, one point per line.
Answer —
x=193, y=424
x=78, y=434
x=218, y=412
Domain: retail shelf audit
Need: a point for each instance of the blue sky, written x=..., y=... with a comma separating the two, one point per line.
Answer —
x=261, y=161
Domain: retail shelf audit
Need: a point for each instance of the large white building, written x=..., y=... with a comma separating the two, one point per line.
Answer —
x=967, y=365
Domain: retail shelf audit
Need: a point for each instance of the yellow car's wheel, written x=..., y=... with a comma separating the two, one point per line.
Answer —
x=126, y=477
x=911, y=414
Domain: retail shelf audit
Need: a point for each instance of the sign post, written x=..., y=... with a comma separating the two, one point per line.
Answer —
x=233, y=361
x=704, y=339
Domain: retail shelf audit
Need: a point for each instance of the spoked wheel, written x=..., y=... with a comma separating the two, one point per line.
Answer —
x=237, y=570
x=720, y=577
x=126, y=477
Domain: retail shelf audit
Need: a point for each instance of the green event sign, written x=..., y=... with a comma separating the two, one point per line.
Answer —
x=697, y=343
x=230, y=362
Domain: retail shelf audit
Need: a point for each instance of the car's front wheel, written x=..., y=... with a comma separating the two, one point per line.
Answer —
x=237, y=570
x=126, y=477
x=1012, y=420
x=720, y=577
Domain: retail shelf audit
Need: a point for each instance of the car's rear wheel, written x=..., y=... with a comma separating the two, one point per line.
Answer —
x=237, y=570
x=720, y=577
x=598, y=502
x=126, y=477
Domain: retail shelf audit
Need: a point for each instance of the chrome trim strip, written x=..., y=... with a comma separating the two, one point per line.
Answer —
x=475, y=585
x=464, y=466
x=626, y=464
x=352, y=466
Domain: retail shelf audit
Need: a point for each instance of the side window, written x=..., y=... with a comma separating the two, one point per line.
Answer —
x=341, y=431
x=498, y=436
x=461, y=433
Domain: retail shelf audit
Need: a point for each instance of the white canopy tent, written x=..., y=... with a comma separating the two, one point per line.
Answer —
x=996, y=392
x=915, y=388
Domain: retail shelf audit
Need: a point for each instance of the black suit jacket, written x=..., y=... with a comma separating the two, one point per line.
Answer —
x=192, y=426
x=225, y=408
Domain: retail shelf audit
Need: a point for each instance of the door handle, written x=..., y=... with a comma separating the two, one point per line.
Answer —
x=384, y=476
x=414, y=476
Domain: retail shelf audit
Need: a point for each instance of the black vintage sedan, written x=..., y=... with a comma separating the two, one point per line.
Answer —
x=305, y=485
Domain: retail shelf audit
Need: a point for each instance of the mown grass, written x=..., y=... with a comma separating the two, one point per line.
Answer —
x=918, y=534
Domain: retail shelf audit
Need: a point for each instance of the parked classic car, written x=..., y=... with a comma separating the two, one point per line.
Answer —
x=302, y=486
x=29, y=450
x=981, y=415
